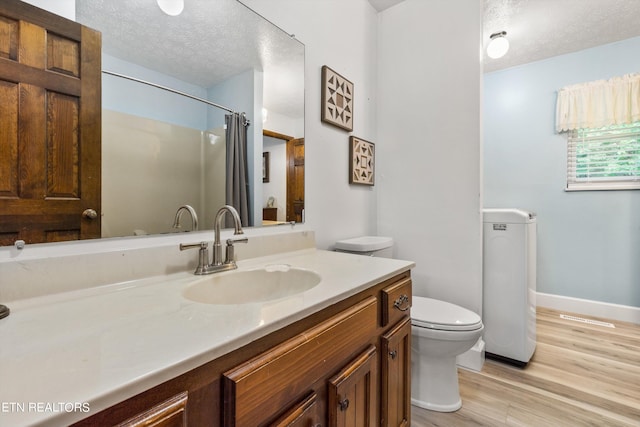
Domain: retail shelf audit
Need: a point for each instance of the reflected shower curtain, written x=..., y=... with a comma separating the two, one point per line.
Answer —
x=237, y=191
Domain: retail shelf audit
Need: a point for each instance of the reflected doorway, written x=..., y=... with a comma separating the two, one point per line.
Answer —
x=283, y=191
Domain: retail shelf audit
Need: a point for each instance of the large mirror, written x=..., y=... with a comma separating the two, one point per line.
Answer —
x=162, y=150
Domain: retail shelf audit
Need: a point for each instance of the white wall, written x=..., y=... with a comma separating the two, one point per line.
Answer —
x=150, y=169
x=147, y=101
x=428, y=151
x=285, y=125
x=64, y=8
x=342, y=35
x=589, y=241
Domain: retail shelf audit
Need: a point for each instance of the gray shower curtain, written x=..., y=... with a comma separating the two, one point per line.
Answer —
x=237, y=190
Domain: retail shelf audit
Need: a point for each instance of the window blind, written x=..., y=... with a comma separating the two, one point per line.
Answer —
x=604, y=159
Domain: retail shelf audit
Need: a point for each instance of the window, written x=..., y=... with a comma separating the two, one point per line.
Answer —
x=607, y=158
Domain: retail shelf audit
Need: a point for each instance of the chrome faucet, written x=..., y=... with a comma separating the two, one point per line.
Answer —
x=217, y=247
x=216, y=265
x=192, y=212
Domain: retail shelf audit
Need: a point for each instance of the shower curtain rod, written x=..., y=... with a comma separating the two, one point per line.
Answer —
x=168, y=89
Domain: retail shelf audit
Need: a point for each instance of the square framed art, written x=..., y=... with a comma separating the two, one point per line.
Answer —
x=362, y=161
x=337, y=99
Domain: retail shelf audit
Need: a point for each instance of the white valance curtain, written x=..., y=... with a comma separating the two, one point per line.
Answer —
x=599, y=103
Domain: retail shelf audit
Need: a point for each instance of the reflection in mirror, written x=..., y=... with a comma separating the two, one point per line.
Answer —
x=150, y=166
x=216, y=50
x=283, y=191
x=161, y=150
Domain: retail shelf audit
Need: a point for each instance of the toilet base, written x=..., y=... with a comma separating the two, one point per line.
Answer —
x=436, y=407
x=434, y=383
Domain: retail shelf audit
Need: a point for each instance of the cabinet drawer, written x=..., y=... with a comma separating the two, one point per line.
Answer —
x=170, y=413
x=303, y=414
x=396, y=301
x=257, y=390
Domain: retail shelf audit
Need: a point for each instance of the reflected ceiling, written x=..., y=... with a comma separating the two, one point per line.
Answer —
x=139, y=32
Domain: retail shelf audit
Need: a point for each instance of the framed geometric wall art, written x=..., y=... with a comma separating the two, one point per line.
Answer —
x=337, y=99
x=362, y=161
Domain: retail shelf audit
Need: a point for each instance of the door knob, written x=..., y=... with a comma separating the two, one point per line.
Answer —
x=90, y=214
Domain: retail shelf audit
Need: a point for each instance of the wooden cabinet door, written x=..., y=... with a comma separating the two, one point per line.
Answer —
x=352, y=395
x=396, y=375
x=50, y=126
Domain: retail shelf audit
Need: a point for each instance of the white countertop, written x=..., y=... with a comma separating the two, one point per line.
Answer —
x=90, y=349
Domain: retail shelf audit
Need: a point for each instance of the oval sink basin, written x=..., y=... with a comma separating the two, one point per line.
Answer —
x=250, y=286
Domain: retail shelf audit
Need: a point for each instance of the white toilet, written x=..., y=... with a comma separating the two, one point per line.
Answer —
x=440, y=331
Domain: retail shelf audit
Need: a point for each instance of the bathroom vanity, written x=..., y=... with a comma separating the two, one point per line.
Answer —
x=330, y=368
x=142, y=351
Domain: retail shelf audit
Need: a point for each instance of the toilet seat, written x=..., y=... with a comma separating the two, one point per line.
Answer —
x=441, y=315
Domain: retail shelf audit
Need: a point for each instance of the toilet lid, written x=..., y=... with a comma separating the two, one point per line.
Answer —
x=436, y=314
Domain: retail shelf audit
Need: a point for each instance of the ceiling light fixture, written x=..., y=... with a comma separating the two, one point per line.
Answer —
x=171, y=7
x=498, y=45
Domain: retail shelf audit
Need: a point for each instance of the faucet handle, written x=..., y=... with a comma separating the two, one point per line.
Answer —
x=201, y=245
x=203, y=255
x=230, y=255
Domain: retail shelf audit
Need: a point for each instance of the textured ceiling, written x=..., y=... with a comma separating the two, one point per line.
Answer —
x=212, y=39
x=539, y=29
x=209, y=42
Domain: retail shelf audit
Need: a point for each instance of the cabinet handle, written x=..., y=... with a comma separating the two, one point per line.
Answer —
x=403, y=300
x=393, y=354
x=344, y=404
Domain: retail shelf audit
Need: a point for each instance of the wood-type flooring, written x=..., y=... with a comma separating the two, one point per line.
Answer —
x=581, y=374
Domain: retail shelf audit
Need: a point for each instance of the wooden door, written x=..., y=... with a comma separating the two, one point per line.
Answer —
x=50, y=126
x=295, y=180
x=396, y=375
x=352, y=394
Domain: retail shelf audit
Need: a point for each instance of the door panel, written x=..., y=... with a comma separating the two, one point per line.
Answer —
x=396, y=375
x=9, y=139
x=50, y=126
x=352, y=400
x=63, y=149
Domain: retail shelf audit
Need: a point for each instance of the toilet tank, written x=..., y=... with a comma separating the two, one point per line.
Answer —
x=377, y=246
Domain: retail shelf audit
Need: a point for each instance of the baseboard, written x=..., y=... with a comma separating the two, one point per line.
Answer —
x=623, y=313
x=474, y=358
